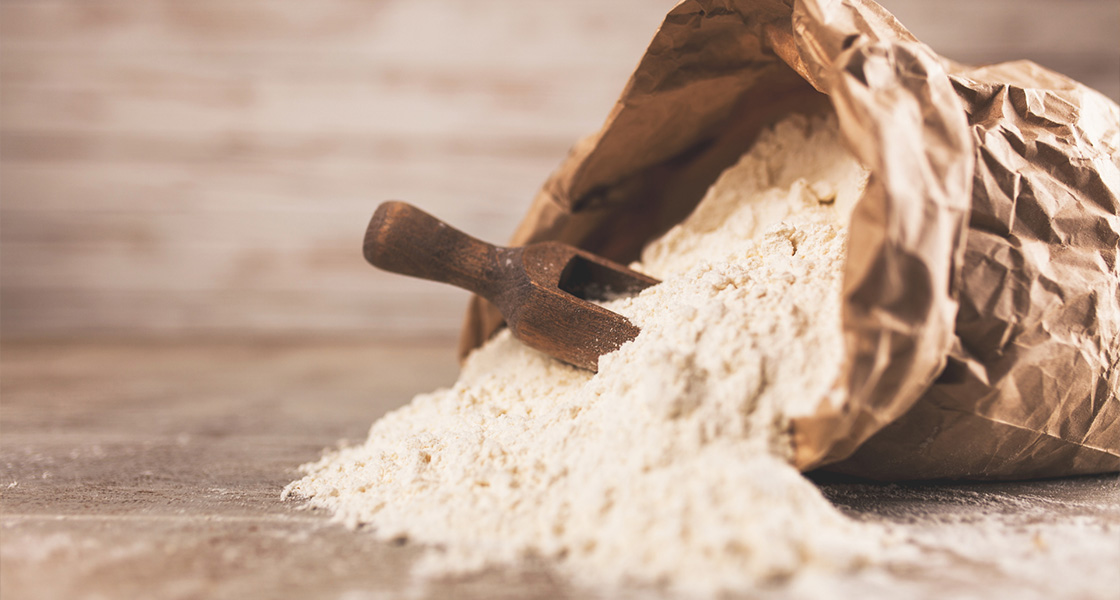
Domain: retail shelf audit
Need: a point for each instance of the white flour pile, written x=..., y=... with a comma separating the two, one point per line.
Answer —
x=668, y=466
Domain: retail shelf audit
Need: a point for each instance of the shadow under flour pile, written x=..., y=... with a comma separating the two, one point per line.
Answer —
x=670, y=465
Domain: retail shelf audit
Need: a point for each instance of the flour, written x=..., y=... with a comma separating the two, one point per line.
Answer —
x=668, y=466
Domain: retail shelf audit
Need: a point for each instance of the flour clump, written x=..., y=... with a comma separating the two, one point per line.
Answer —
x=670, y=465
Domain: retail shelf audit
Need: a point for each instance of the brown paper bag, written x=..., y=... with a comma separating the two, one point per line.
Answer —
x=981, y=307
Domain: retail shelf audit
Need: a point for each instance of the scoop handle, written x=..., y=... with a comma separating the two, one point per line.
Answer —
x=406, y=240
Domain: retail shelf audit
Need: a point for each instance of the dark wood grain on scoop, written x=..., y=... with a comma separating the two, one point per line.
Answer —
x=543, y=290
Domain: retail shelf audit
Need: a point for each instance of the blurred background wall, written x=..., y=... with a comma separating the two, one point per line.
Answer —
x=207, y=167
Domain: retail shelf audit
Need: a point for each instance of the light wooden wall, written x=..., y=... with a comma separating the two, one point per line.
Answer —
x=208, y=166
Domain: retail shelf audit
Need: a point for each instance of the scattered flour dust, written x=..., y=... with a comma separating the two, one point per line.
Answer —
x=668, y=467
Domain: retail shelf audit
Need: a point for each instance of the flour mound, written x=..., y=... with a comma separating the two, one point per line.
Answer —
x=670, y=465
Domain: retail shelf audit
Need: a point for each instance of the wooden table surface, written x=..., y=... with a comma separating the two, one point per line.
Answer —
x=154, y=469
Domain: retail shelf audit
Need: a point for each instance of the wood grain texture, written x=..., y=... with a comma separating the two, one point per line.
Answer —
x=208, y=167
x=542, y=290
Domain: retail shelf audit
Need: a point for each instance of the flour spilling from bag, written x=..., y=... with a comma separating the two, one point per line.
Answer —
x=670, y=465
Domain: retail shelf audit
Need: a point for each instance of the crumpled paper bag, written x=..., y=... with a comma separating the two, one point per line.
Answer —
x=981, y=304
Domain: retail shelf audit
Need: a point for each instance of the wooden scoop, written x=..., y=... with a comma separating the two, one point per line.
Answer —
x=541, y=289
